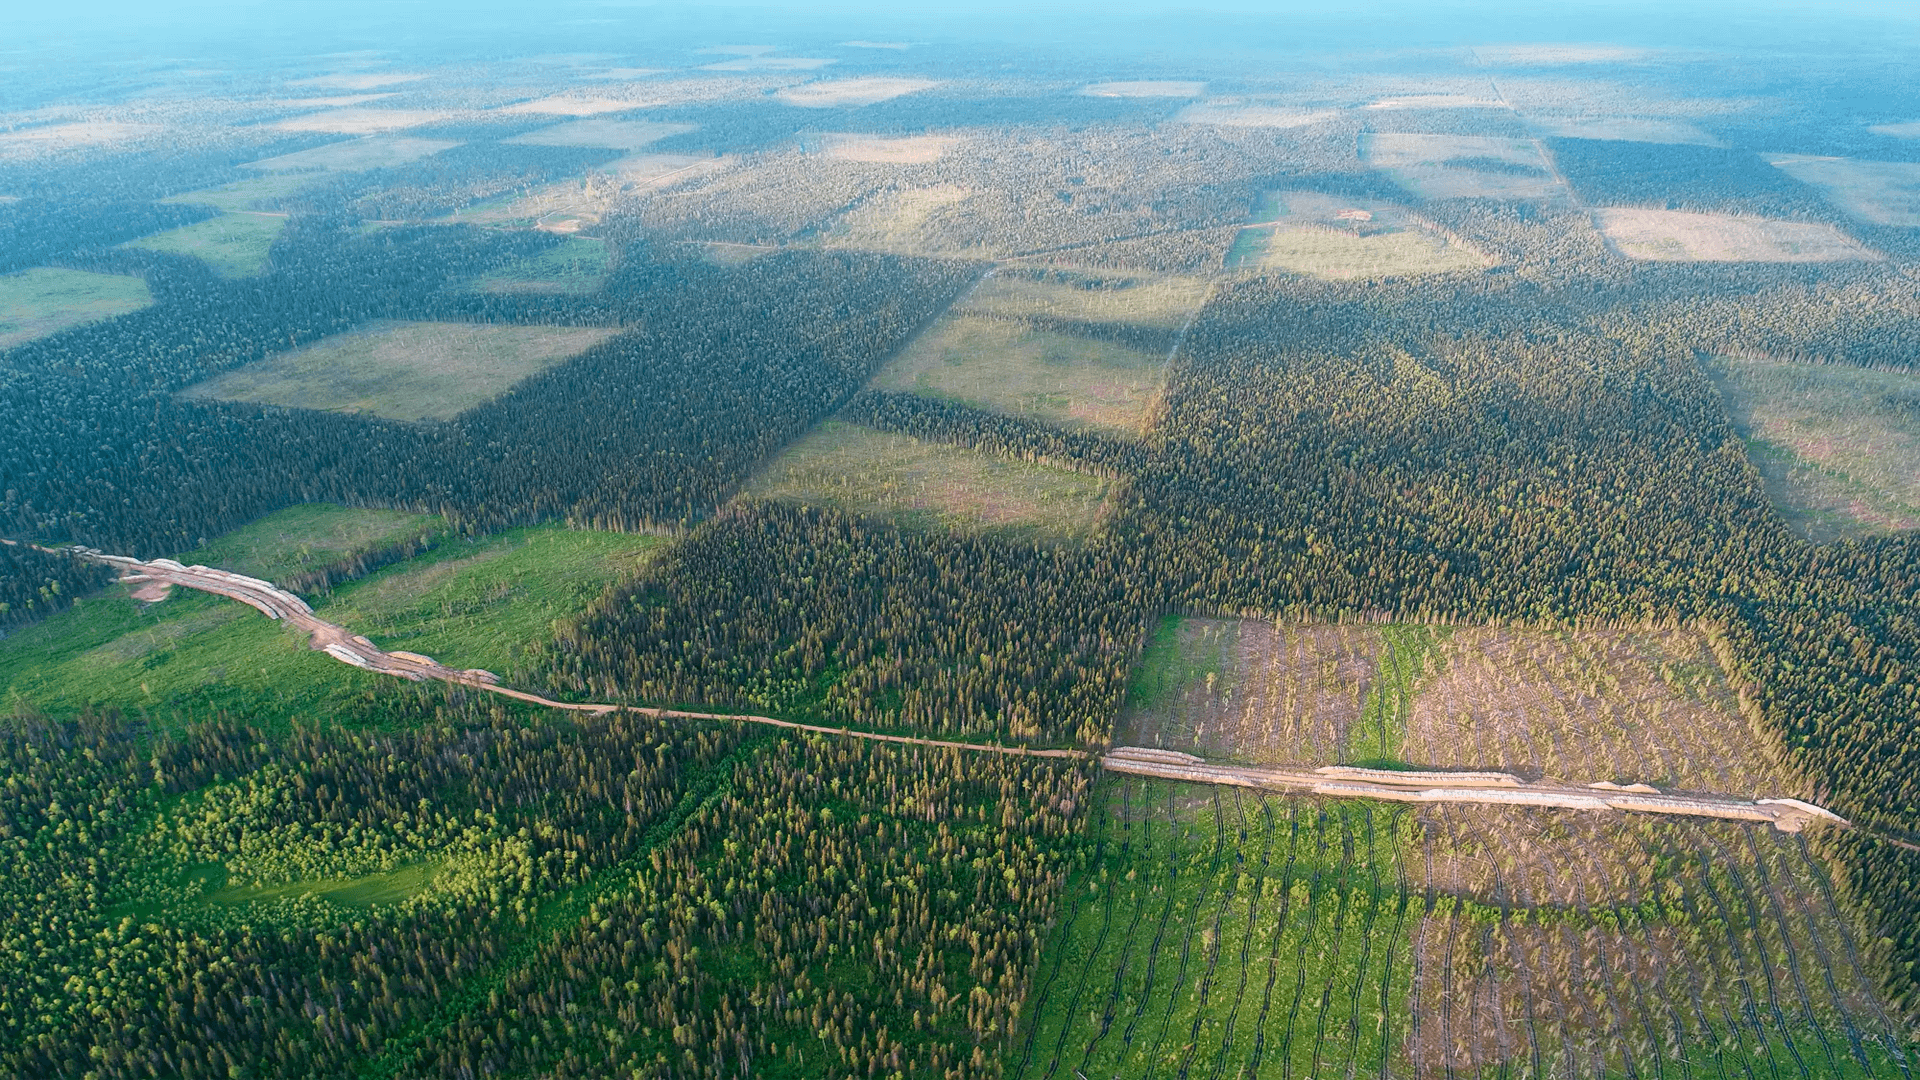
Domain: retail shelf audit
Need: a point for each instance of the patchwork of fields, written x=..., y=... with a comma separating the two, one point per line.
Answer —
x=1546, y=409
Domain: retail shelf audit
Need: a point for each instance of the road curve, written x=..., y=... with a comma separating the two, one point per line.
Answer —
x=350, y=648
x=1335, y=781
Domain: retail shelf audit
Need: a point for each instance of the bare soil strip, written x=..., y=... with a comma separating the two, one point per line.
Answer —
x=1787, y=815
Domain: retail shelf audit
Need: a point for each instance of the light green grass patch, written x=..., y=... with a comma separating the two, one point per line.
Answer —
x=308, y=537
x=1226, y=934
x=1379, y=739
x=481, y=603
x=1008, y=366
x=234, y=244
x=1837, y=447
x=254, y=193
x=46, y=300
x=403, y=370
x=574, y=267
x=387, y=888
x=1331, y=254
x=930, y=485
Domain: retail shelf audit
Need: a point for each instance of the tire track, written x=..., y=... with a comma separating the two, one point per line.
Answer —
x=1819, y=874
x=1100, y=943
x=1060, y=961
x=1139, y=911
x=1186, y=949
x=1279, y=934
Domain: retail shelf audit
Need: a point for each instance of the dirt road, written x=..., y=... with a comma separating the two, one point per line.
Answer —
x=350, y=648
x=1788, y=815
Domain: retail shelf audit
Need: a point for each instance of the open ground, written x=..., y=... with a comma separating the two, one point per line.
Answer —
x=931, y=485
x=1149, y=88
x=356, y=81
x=1221, y=933
x=1837, y=447
x=1229, y=112
x=844, y=93
x=257, y=193
x=403, y=371
x=1009, y=366
x=884, y=150
x=1877, y=192
x=1306, y=232
x=1462, y=166
x=565, y=206
x=1132, y=299
x=46, y=300
x=292, y=544
x=904, y=221
x=1680, y=236
x=1575, y=706
x=1624, y=129
x=235, y=244
x=575, y=266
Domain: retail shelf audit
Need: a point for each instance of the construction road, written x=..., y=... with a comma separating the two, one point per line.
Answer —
x=1334, y=781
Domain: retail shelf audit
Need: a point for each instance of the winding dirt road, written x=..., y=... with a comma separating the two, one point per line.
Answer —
x=1336, y=781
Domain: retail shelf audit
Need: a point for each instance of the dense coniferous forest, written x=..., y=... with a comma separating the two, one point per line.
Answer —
x=1340, y=348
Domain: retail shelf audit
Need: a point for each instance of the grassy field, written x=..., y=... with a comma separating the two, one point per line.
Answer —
x=46, y=300
x=1462, y=166
x=1838, y=448
x=360, y=121
x=478, y=603
x=881, y=149
x=930, y=485
x=575, y=266
x=1217, y=933
x=563, y=207
x=902, y=222
x=303, y=539
x=850, y=93
x=1331, y=253
x=403, y=370
x=1222, y=934
x=1164, y=302
x=1878, y=192
x=1010, y=367
x=256, y=193
x=1679, y=236
x=1307, y=232
x=234, y=244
